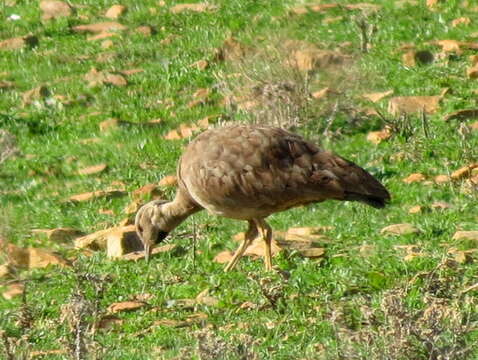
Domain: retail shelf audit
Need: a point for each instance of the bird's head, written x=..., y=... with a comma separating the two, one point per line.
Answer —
x=152, y=225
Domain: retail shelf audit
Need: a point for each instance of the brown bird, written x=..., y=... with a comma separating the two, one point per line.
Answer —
x=249, y=172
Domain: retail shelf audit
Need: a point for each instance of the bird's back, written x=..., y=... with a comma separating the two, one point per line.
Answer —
x=246, y=172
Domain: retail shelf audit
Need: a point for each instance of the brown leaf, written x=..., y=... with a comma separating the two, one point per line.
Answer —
x=21, y=42
x=232, y=50
x=322, y=93
x=198, y=7
x=200, y=64
x=399, y=229
x=307, y=231
x=413, y=104
x=311, y=59
x=257, y=248
x=101, y=36
x=376, y=137
x=449, y=45
x=442, y=179
x=135, y=256
x=35, y=94
x=415, y=209
x=145, y=30
x=416, y=177
x=115, y=79
x=92, y=170
x=33, y=257
x=472, y=72
x=13, y=290
x=313, y=252
x=5, y=271
x=52, y=9
x=125, y=306
x=441, y=205
x=111, y=124
x=169, y=180
x=107, y=322
x=173, y=135
x=462, y=114
x=94, y=195
x=461, y=21
x=94, y=241
x=122, y=241
x=59, y=234
x=463, y=172
x=223, y=257
x=466, y=235
x=151, y=191
x=376, y=97
x=204, y=298
x=107, y=26
x=115, y=11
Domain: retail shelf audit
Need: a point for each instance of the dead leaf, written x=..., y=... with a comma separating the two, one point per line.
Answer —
x=472, y=72
x=45, y=353
x=413, y=104
x=432, y=3
x=111, y=124
x=462, y=256
x=107, y=44
x=463, y=172
x=145, y=30
x=461, y=21
x=313, y=252
x=442, y=179
x=21, y=42
x=416, y=177
x=115, y=79
x=59, y=234
x=448, y=45
x=376, y=97
x=441, y=205
x=5, y=271
x=94, y=195
x=332, y=20
x=307, y=231
x=223, y=257
x=13, y=290
x=399, y=229
x=322, y=93
x=151, y=191
x=125, y=306
x=122, y=241
x=311, y=59
x=200, y=64
x=376, y=137
x=101, y=27
x=462, y=114
x=198, y=7
x=107, y=322
x=169, y=180
x=257, y=248
x=415, y=209
x=466, y=235
x=173, y=135
x=92, y=170
x=94, y=241
x=35, y=94
x=204, y=298
x=115, y=12
x=54, y=9
x=135, y=256
x=33, y=258
x=232, y=50
x=101, y=36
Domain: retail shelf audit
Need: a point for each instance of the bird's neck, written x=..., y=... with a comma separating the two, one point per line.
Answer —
x=179, y=209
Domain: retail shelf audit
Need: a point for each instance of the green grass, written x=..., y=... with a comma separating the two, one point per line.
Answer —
x=345, y=306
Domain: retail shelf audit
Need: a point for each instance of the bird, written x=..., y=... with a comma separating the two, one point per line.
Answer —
x=248, y=172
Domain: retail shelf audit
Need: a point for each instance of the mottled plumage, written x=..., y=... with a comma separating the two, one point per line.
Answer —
x=248, y=172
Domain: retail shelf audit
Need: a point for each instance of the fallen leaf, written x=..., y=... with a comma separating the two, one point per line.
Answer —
x=135, y=256
x=115, y=11
x=313, y=252
x=92, y=170
x=21, y=42
x=449, y=45
x=5, y=271
x=13, y=290
x=107, y=44
x=115, y=79
x=376, y=97
x=432, y=3
x=60, y=234
x=399, y=229
x=200, y=64
x=169, y=180
x=111, y=124
x=35, y=94
x=54, y=9
x=441, y=205
x=33, y=258
x=173, y=135
x=94, y=241
x=322, y=93
x=94, y=195
x=232, y=50
x=472, y=72
x=145, y=30
x=125, y=306
x=257, y=248
x=44, y=353
x=442, y=179
x=151, y=191
x=462, y=114
x=413, y=104
x=132, y=207
x=198, y=7
x=101, y=36
x=462, y=256
x=466, y=235
x=417, y=177
x=204, y=298
x=223, y=257
x=101, y=27
x=122, y=241
x=306, y=231
x=332, y=20
x=376, y=137
x=311, y=59
x=461, y=21
x=108, y=322
x=463, y=172
x=415, y=209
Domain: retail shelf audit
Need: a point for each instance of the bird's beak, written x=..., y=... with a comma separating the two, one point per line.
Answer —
x=147, y=252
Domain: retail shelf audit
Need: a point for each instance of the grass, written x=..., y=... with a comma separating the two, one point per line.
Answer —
x=351, y=304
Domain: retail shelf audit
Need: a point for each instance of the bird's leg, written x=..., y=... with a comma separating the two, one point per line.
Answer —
x=266, y=233
x=249, y=236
